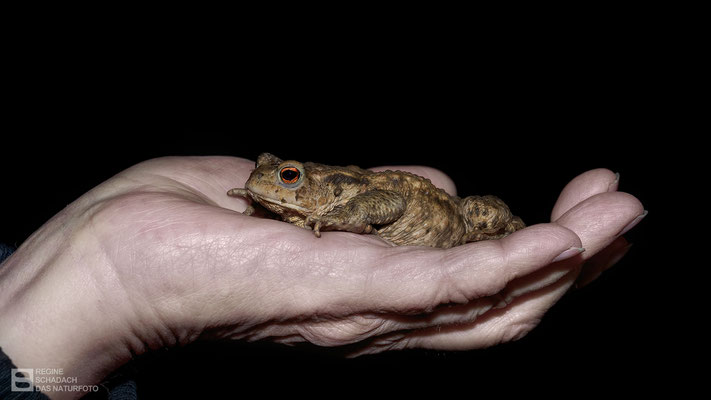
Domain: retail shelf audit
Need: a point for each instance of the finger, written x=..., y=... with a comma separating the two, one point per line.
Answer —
x=390, y=327
x=348, y=274
x=582, y=187
x=437, y=177
x=387, y=328
x=483, y=330
x=494, y=327
x=602, y=218
x=414, y=280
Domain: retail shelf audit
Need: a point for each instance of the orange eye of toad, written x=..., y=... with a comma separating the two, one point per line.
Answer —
x=289, y=174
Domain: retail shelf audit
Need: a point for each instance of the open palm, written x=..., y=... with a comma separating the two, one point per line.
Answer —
x=160, y=255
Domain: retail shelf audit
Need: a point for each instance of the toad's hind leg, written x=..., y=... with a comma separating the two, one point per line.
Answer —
x=359, y=214
x=487, y=217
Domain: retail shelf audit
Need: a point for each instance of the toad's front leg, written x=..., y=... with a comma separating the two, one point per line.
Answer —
x=359, y=214
x=238, y=192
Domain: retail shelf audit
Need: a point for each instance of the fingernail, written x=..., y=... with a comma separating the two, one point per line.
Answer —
x=614, y=184
x=633, y=223
x=573, y=251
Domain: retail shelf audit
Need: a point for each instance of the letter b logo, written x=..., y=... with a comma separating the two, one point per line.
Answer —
x=20, y=383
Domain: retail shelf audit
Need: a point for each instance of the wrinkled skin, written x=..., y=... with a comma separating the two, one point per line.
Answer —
x=159, y=255
x=406, y=208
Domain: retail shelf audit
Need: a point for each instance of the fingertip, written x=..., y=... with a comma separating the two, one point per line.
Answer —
x=603, y=217
x=546, y=242
x=615, y=183
x=584, y=186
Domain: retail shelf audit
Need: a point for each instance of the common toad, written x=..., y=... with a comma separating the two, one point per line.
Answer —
x=400, y=207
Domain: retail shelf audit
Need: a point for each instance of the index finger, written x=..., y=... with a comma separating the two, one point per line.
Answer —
x=408, y=279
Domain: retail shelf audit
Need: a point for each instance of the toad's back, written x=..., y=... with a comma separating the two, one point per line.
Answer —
x=431, y=216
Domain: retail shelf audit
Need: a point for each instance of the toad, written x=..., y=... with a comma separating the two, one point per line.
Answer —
x=400, y=207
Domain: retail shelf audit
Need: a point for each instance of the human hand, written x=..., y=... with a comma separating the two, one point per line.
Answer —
x=159, y=255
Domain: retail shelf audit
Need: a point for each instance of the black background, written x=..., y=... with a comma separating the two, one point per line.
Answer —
x=513, y=116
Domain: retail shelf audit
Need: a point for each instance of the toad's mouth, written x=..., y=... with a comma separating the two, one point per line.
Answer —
x=279, y=202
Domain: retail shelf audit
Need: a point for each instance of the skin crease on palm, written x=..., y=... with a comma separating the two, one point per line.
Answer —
x=159, y=255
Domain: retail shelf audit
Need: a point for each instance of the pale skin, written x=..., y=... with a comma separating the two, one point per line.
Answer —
x=160, y=255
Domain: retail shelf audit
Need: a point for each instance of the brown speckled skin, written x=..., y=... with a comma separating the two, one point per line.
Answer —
x=400, y=207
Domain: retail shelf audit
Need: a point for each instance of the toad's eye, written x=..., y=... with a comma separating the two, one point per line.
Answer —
x=289, y=174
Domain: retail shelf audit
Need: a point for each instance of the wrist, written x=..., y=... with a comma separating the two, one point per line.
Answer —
x=56, y=314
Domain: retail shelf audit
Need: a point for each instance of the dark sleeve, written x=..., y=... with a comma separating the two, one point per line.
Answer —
x=5, y=252
x=11, y=387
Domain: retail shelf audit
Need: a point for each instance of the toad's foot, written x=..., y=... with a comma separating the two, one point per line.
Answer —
x=238, y=192
x=326, y=222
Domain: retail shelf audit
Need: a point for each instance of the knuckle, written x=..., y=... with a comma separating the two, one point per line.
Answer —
x=340, y=332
